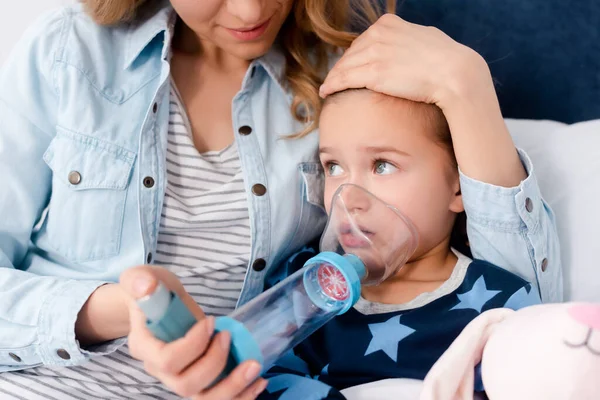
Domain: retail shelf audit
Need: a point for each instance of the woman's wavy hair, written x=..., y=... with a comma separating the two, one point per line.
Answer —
x=314, y=30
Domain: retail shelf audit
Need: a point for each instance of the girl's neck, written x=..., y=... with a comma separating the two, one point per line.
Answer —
x=423, y=274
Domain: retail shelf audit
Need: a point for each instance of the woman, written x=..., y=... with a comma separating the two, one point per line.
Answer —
x=148, y=132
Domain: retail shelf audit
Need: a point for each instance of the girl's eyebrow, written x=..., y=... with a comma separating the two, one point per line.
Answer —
x=385, y=149
x=372, y=150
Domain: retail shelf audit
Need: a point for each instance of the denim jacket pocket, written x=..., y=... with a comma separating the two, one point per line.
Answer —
x=89, y=189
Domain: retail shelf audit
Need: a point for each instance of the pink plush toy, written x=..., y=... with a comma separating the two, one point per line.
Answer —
x=544, y=352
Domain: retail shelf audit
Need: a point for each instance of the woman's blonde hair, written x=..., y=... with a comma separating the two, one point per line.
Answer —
x=314, y=30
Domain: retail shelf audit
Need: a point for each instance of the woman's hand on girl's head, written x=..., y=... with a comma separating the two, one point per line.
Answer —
x=423, y=64
x=188, y=365
x=415, y=62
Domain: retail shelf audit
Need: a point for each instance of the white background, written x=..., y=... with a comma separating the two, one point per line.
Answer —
x=15, y=18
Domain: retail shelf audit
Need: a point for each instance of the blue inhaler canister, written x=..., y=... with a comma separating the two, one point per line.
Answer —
x=365, y=242
x=167, y=317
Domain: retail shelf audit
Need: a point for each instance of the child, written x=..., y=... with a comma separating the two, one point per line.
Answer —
x=402, y=153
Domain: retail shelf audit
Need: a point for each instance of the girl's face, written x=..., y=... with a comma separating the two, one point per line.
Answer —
x=380, y=145
x=242, y=28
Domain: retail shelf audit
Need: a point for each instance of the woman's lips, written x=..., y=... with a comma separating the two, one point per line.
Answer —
x=249, y=34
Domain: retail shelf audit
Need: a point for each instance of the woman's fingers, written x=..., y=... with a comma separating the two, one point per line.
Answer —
x=206, y=370
x=239, y=384
x=139, y=281
x=353, y=71
x=200, y=374
x=175, y=357
x=373, y=75
x=363, y=63
x=142, y=280
x=141, y=341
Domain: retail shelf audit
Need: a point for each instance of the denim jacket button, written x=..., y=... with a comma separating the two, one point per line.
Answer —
x=259, y=264
x=155, y=108
x=245, y=130
x=62, y=353
x=148, y=182
x=528, y=205
x=544, y=264
x=74, y=178
x=259, y=190
x=14, y=357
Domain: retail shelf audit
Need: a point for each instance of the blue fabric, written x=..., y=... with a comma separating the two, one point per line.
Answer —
x=544, y=54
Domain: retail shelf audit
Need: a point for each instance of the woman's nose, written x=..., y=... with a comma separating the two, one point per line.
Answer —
x=586, y=314
x=248, y=11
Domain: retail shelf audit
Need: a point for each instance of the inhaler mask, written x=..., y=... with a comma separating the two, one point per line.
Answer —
x=362, y=225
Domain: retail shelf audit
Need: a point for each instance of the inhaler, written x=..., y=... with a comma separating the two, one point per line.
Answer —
x=365, y=242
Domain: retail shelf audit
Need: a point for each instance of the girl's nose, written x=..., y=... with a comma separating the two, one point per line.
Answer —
x=355, y=198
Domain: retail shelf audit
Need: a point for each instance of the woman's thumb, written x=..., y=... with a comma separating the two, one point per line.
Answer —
x=138, y=282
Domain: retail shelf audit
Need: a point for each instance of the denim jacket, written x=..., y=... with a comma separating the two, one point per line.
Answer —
x=84, y=115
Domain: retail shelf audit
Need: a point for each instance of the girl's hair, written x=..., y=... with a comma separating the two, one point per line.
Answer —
x=314, y=30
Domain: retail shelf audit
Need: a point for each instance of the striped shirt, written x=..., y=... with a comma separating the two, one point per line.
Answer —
x=204, y=235
x=204, y=238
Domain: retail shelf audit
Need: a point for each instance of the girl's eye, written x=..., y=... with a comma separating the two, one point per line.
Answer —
x=334, y=169
x=383, y=167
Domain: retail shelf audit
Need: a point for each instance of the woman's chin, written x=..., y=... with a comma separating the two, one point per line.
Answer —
x=249, y=50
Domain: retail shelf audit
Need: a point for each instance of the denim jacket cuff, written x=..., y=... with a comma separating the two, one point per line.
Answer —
x=103, y=349
x=504, y=209
x=58, y=314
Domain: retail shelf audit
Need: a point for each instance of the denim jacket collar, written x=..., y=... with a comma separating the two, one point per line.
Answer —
x=158, y=18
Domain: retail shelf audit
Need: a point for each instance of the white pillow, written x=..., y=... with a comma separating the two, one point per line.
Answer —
x=566, y=160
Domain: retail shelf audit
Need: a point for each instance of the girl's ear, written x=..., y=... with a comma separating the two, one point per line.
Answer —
x=456, y=202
